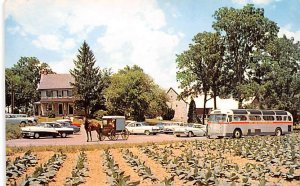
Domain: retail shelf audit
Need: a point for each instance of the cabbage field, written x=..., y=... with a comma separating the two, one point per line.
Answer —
x=262, y=161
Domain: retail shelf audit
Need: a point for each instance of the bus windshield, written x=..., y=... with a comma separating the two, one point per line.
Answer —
x=217, y=117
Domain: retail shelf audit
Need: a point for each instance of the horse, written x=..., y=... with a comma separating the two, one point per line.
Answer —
x=91, y=125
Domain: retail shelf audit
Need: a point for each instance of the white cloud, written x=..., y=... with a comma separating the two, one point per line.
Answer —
x=63, y=66
x=52, y=42
x=253, y=1
x=136, y=31
x=289, y=34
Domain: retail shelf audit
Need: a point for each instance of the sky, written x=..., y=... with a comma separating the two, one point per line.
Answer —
x=148, y=33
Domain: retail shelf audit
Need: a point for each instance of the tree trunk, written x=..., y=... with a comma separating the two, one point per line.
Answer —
x=215, y=101
x=240, y=102
x=12, y=102
x=204, y=107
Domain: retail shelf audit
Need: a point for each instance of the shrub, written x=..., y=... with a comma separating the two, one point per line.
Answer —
x=51, y=114
x=13, y=131
x=169, y=114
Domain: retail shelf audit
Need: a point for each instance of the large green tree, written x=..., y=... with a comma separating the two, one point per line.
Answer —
x=201, y=67
x=275, y=80
x=133, y=93
x=246, y=31
x=89, y=82
x=22, y=80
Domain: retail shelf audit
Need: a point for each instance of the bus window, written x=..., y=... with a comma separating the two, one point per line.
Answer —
x=239, y=118
x=252, y=118
x=284, y=118
x=279, y=118
x=290, y=118
x=217, y=117
x=268, y=118
x=243, y=118
x=229, y=118
x=212, y=118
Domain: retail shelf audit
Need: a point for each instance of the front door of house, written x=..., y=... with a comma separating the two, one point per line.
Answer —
x=60, y=109
x=71, y=110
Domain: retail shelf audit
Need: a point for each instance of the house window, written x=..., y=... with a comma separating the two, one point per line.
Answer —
x=49, y=93
x=59, y=93
x=70, y=94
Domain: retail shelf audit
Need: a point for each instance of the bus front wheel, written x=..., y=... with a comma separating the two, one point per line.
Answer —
x=237, y=133
x=278, y=132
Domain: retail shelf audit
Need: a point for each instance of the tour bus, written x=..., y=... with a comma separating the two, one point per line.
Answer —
x=243, y=122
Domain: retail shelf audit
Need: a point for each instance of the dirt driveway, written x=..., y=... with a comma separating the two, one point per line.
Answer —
x=80, y=139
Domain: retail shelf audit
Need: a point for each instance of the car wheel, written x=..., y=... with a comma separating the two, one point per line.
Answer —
x=147, y=132
x=63, y=135
x=177, y=135
x=154, y=133
x=22, y=124
x=36, y=135
x=190, y=134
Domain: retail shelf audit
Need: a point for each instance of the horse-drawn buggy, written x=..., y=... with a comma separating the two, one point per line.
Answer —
x=113, y=127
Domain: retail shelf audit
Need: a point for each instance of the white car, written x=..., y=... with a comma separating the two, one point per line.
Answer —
x=191, y=130
x=142, y=128
x=170, y=127
x=46, y=129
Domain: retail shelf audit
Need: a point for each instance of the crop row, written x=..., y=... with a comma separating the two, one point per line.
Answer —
x=212, y=167
x=44, y=174
x=16, y=168
x=115, y=176
x=79, y=172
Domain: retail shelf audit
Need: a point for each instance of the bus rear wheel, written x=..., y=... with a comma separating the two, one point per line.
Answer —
x=278, y=132
x=237, y=133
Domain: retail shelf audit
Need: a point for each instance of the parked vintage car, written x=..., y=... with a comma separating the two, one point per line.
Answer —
x=46, y=129
x=170, y=127
x=161, y=127
x=142, y=128
x=21, y=119
x=15, y=119
x=191, y=130
x=68, y=124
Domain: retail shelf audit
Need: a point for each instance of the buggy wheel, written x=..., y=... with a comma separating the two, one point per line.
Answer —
x=112, y=135
x=101, y=136
x=125, y=134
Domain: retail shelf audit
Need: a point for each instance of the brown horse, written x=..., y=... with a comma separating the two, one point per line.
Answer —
x=91, y=125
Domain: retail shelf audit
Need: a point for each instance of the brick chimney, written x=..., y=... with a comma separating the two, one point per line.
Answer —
x=44, y=71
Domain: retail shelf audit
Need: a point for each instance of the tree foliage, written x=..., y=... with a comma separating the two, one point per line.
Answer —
x=252, y=62
x=169, y=114
x=201, y=67
x=22, y=80
x=133, y=93
x=192, y=114
x=90, y=81
x=246, y=33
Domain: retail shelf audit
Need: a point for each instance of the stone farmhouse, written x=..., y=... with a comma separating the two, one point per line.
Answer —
x=178, y=104
x=181, y=106
x=56, y=95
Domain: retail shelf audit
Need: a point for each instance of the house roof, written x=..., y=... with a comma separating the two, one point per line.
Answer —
x=178, y=95
x=55, y=81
